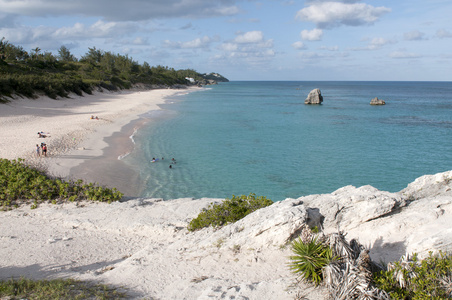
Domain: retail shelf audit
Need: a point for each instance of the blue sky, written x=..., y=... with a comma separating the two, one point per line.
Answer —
x=249, y=40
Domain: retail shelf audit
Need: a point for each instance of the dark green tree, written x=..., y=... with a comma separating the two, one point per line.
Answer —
x=65, y=55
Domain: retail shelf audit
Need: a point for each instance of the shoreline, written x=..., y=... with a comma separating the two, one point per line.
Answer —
x=120, y=175
x=73, y=138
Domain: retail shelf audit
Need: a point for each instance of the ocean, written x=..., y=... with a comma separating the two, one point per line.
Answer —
x=245, y=137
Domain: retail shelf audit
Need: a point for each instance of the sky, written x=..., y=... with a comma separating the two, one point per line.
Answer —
x=395, y=40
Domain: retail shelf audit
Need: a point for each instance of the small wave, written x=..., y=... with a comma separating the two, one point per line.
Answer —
x=131, y=137
x=120, y=157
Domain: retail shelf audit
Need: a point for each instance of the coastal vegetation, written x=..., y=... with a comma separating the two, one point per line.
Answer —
x=348, y=272
x=309, y=259
x=33, y=73
x=412, y=278
x=228, y=211
x=55, y=289
x=21, y=183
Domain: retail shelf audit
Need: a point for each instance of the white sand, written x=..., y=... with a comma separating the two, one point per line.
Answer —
x=143, y=246
x=69, y=125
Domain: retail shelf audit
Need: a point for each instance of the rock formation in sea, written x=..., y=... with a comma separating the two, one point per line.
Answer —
x=376, y=101
x=314, y=97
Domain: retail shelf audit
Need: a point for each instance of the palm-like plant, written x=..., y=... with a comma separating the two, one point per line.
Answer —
x=310, y=258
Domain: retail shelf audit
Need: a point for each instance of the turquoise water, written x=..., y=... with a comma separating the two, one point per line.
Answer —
x=260, y=137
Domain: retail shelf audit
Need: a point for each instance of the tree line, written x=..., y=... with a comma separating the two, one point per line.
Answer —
x=36, y=72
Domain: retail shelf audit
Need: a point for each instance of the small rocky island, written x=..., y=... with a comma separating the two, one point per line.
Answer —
x=376, y=101
x=314, y=97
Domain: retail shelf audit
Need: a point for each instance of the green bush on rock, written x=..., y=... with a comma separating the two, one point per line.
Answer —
x=229, y=211
x=347, y=271
x=430, y=278
x=19, y=182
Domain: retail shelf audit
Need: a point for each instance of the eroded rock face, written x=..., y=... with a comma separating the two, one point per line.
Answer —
x=274, y=225
x=414, y=220
x=314, y=97
x=376, y=101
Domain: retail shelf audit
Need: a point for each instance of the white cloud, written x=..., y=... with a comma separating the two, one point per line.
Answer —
x=443, y=33
x=299, y=45
x=312, y=35
x=98, y=29
x=332, y=48
x=375, y=44
x=197, y=43
x=315, y=56
x=115, y=10
x=379, y=42
x=248, y=48
x=320, y=1
x=229, y=47
x=250, y=37
x=403, y=54
x=414, y=35
x=140, y=41
x=333, y=14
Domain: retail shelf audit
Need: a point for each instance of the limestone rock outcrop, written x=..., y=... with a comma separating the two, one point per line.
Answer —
x=414, y=220
x=314, y=97
x=376, y=101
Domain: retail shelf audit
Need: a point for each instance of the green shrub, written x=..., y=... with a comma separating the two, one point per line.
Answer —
x=229, y=211
x=430, y=278
x=56, y=289
x=310, y=258
x=19, y=182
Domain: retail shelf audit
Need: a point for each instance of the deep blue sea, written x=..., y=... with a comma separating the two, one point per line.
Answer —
x=259, y=137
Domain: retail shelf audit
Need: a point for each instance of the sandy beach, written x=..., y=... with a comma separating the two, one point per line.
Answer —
x=143, y=247
x=72, y=137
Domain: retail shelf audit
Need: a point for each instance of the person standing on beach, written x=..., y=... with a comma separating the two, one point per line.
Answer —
x=38, y=150
x=44, y=149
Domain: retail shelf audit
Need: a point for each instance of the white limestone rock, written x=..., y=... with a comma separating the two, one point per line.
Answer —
x=314, y=97
x=376, y=101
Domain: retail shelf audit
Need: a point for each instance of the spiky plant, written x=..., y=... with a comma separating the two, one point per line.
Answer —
x=309, y=259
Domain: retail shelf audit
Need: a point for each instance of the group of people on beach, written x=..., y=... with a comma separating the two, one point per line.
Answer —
x=41, y=150
x=173, y=161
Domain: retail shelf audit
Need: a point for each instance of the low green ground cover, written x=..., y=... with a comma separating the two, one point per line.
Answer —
x=66, y=289
x=229, y=211
x=20, y=183
x=430, y=278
